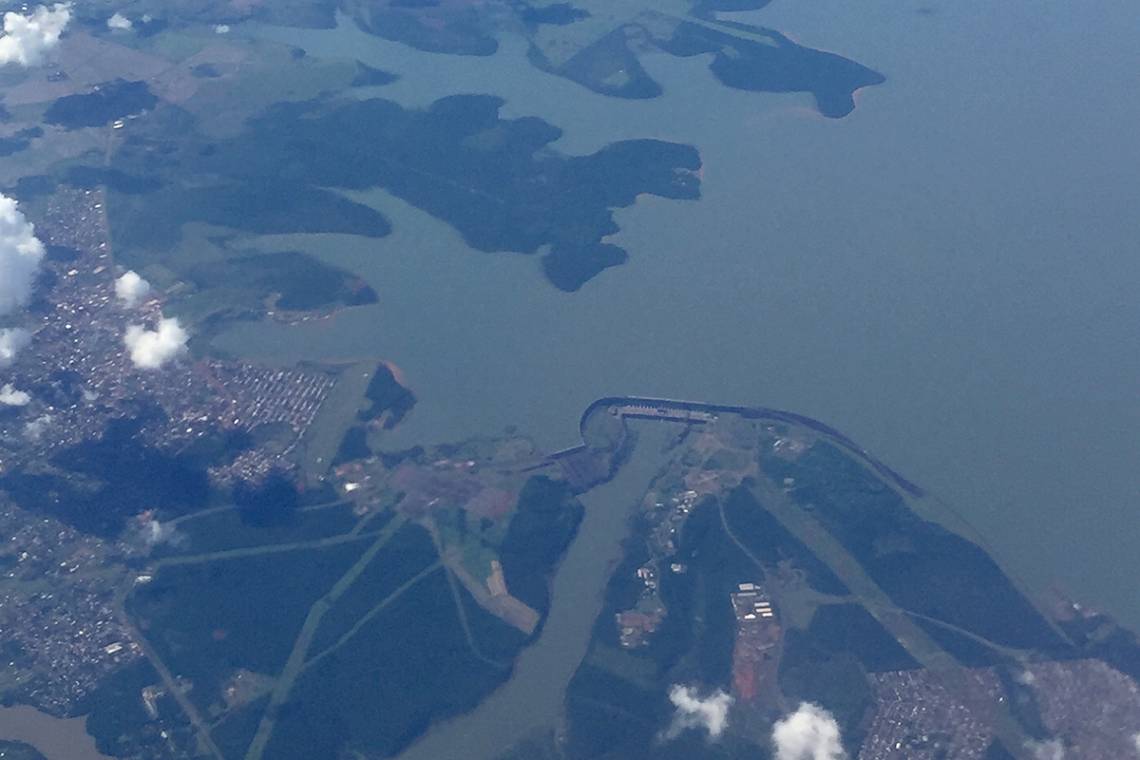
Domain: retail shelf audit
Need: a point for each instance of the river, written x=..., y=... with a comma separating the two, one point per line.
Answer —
x=531, y=700
x=55, y=738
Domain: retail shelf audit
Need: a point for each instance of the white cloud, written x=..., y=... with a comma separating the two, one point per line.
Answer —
x=27, y=38
x=1026, y=678
x=13, y=340
x=9, y=396
x=1136, y=738
x=1052, y=749
x=222, y=29
x=36, y=427
x=120, y=22
x=131, y=289
x=155, y=533
x=710, y=713
x=150, y=349
x=20, y=254
x=810, y=733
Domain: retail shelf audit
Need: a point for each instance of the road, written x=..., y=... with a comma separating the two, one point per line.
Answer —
x=296, y=662
x=201, y=729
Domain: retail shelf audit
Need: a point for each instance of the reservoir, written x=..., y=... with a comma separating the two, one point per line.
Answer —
x=947, y=275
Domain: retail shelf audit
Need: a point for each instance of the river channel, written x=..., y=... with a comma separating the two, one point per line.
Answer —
x=55, y=738
x=531, y=700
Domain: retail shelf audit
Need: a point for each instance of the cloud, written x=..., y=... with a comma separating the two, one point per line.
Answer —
x=710, y=713
x=9, y=396
x=154, y=533
x=36, y=427
x=1136, y=739
x=13, y=340
x=120, y=22
x=150, y=349
x=131, y=289
x=1052, y=749
x=27, y=38
x=810, y=733
x=20, y=254
x=222, y=29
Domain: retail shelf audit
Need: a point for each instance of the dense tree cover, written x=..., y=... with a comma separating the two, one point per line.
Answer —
x=542, y=527
x=104, y=104
x=98, y=484
x=771, y=542
x=494, y=180
x=922, y=566
x=386, y=395
x=850, y=628
x=272, y=501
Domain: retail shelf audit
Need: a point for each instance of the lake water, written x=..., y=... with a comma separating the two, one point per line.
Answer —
x=948, y=275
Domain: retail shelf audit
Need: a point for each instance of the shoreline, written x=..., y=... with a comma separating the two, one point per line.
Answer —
x=748, y=412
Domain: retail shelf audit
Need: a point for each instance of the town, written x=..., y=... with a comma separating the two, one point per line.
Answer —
x=63, y=631
x=938, y=709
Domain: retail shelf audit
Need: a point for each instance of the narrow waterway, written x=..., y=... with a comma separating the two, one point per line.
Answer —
x=532, y=699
